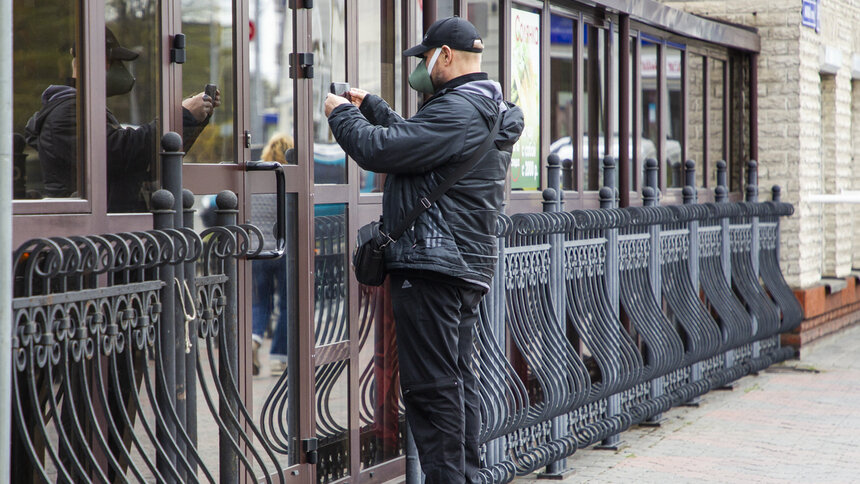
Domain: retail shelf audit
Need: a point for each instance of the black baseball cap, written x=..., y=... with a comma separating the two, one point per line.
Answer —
x=114, y=51
x=455, y=32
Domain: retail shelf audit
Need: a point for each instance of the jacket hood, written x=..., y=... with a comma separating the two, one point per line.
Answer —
x=52, y=97
x=512, y=117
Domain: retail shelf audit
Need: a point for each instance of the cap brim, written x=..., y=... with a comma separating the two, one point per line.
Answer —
x=121, y=53
x=416, y=51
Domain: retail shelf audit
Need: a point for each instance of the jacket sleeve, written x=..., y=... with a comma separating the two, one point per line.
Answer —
x=378, y=112
x=431, y=138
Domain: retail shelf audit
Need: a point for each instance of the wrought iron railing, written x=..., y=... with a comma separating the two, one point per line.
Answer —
x=617, y=315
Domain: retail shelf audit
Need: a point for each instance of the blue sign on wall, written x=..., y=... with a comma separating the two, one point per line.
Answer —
x=809, y=14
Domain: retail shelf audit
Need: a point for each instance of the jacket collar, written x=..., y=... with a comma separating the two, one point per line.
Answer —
x=457, y=82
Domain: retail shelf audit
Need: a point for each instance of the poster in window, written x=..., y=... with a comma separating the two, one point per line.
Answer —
x=525, y=93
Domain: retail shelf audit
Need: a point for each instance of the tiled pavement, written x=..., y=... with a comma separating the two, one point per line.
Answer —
x=795, y=422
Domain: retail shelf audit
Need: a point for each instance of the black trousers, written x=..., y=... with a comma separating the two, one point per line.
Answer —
x=435, y=325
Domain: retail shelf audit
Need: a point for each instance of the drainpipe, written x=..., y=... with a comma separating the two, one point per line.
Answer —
x=5, y=233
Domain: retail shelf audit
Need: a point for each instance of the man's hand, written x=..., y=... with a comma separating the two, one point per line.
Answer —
x=201, y=105
x=356, y=96
x=332, y=101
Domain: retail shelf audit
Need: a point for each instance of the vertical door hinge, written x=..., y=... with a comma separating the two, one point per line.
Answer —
x=177, y=50
x=302, y=65
x=296, y=4
x=309, y=446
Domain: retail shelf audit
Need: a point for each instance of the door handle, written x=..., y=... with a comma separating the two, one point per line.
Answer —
x=281, y=211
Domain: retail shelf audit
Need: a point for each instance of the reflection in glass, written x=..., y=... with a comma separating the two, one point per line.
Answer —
x=271, y=90
x=562, y=104
x=133, y=128
x=330, y=284
x=380, y=410
x=332, y=402
x=45, y=115
x=329, y=44
x=674, y=163
x=593, y=142
x=716, y=111
x=635, y=120
x=484, y=15
x=379, y=72
x=208, y=24
x=649, y=99
x=697, y=113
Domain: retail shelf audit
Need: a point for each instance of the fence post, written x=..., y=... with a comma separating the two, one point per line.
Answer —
x=171, y=180
x=690, y=195
x=752, y=197
x=225, y=215
x=776, y=196
x=496, y=305
x=609, y=199
x=162, y=216
x=650, y=198
x=557, y=290
x=190, y=356
x=721, y=196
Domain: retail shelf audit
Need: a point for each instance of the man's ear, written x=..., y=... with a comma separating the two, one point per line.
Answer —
x=449, y=55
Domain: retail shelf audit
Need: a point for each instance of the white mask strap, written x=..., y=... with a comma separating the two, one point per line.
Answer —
x=433, y=60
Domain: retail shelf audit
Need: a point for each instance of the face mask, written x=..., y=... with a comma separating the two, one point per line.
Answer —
x=420, y=78
x=118, y=80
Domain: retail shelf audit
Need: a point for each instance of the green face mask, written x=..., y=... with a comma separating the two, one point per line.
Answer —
x=119, y=80
x=420, y=79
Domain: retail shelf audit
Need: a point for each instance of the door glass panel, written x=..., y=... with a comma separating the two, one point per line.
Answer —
x=379, y=72
x=329, y=44
x=45, y=104
x=271, y=87
x=330, y=283
x=380, y=408
x=674, y=163
x=697, y=113
x=561, y=91
x=208, y=28
x=594, y=119
x=332, y=402
x=133, y=85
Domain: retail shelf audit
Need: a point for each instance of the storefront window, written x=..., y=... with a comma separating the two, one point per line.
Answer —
x=208, y=28
x=379, y=72
x=697, y=112
x=594, y=116
x=525, y=93
x=484, y=15
x=329, y=48
x=674, y=167
x=716, y=123
x=45, y=104
x=562, y=73
x=648, y=68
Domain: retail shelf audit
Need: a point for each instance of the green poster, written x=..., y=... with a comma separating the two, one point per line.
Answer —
x=525, y=93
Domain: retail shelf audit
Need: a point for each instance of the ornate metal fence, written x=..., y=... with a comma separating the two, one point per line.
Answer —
x=613, y=316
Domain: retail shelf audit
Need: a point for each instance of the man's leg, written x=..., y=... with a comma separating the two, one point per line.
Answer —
x=427, y=317
x=472, y=399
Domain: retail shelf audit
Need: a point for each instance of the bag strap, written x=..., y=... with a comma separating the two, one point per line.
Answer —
x=429, y=200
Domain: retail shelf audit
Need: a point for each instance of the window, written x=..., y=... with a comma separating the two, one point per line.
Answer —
x=563, y=107
x=525, y=93
x=208, y=24
x=47, y=120
x=697, y=112
x=484, y=15
x=379, y=72
x=329, y=44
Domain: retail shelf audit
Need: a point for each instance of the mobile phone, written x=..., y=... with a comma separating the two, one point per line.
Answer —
x=210, y=90
x=340, y=89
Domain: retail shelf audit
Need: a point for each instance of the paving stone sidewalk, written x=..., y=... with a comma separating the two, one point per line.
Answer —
x=795, y=422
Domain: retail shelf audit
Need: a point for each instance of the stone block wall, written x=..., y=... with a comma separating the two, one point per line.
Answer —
x=808, y=124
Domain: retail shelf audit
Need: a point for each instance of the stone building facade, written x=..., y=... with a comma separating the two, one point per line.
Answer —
x=809, y=135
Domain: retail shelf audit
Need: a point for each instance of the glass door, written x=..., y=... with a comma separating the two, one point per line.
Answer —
x=251, y=145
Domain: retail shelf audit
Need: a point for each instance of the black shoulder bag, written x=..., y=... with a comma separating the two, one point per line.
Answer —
x=368, y=260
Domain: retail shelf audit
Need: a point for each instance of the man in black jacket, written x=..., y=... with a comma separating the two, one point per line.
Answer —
x=442, y=266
